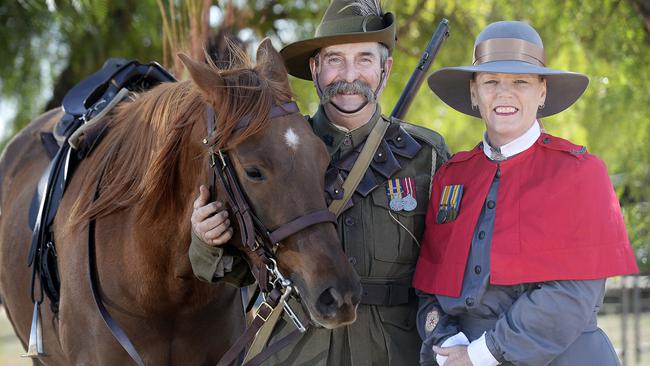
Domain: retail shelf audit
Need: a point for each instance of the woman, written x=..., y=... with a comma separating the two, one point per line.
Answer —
x=523, y=230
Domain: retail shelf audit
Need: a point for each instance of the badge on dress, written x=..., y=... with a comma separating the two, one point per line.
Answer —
x=432, y=320
x=410, y=201
x=449, y=203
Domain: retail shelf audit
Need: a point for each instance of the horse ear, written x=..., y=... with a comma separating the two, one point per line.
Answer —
x=205, y=77
x=271, y=62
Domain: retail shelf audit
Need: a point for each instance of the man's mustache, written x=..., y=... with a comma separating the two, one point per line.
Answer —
x=343, y=87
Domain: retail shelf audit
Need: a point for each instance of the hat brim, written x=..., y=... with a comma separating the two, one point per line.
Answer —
x=563, y=88
x=296, y=55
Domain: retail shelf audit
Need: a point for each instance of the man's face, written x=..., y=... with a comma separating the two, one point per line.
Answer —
x=348, y=74
x=508, y=103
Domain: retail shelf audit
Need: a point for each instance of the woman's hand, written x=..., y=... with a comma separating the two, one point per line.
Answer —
x=456, y=355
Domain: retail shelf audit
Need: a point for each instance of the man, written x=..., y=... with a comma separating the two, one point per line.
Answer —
x=349, y=62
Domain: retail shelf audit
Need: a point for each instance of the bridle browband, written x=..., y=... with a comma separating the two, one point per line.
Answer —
x=257, y=238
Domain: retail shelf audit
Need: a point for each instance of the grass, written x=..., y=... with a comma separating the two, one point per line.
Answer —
x=10, y=347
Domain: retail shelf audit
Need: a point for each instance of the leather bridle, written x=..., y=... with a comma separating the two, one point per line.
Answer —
x=256, y=238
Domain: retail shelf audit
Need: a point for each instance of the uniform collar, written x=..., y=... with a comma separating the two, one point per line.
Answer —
x=514, y=147
x=334, y=135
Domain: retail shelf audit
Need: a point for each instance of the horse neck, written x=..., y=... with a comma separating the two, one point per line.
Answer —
x=167, y=181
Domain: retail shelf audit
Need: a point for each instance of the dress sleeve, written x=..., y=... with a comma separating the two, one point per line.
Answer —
x=545, y=321
x=434, y=326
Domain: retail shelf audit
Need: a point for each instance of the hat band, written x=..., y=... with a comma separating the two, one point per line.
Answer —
x=507, y=49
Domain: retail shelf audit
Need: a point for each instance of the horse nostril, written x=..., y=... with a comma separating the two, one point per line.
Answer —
x=329, y=302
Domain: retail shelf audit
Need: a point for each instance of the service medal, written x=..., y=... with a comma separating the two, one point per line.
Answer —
x=394, y=192
x=449, y=203
x=442, y=215
x=410, y=203
x=396, y=204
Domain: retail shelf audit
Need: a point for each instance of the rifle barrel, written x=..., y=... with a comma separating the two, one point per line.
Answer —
x=423, y=66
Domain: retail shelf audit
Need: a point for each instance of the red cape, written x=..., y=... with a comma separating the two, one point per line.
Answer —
x=557, y=218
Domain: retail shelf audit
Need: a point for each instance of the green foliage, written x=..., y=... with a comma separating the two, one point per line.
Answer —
x=604, y=39
x=43, y=47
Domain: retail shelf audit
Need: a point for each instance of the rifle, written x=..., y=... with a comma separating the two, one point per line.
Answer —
x=414, y=83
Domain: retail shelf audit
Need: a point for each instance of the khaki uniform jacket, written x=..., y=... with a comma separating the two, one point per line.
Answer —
x=379, y=248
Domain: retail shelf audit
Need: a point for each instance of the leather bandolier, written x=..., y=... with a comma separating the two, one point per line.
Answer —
x=72, y=139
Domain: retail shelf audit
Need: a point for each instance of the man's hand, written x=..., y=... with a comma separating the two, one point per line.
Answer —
x=212, y=229
x=456, y=355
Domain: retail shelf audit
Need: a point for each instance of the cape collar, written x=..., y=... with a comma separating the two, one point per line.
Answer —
x=514, y=147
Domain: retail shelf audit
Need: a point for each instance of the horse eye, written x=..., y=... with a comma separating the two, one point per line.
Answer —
x=254, y=174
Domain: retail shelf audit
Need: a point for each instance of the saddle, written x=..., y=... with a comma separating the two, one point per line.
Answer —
x=71, y=140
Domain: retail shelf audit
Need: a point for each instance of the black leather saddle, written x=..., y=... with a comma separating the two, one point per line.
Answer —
x=83, y=102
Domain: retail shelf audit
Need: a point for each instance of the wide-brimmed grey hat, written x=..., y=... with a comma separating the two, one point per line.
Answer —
x=508, y=47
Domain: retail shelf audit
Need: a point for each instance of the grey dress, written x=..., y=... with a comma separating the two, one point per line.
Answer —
x=547, y=323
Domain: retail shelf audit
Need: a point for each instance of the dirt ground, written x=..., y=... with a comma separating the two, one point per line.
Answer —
x=10, y=349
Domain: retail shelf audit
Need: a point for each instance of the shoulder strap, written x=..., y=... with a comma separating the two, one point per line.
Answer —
x=360, y=166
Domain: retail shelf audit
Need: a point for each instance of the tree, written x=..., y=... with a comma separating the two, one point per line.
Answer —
x=607, y=40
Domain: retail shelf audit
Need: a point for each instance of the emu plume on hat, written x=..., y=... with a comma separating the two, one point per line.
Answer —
x=508, y=47
x=345, y=21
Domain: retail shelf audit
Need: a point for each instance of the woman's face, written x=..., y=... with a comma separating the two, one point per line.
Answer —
x=508, y=103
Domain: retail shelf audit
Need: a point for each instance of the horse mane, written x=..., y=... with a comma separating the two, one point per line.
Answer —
x=149, y=148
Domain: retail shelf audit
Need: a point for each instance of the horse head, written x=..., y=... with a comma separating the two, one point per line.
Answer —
x=280, y=166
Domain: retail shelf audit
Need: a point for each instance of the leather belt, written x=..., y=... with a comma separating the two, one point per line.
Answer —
x=386, y=295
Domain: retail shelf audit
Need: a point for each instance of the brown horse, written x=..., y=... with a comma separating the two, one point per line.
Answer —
x=155, y=161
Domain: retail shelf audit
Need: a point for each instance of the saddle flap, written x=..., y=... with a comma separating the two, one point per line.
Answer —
x=79, y=98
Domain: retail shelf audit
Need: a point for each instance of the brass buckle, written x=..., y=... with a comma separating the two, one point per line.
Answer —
x=258, y=315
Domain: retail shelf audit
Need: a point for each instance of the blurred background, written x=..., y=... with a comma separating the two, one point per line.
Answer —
x=47, y=46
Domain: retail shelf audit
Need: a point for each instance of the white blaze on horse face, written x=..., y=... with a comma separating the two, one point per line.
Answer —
x=291, y=139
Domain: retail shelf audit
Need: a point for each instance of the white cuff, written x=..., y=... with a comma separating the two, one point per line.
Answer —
x=459, y=339
x=480, y=354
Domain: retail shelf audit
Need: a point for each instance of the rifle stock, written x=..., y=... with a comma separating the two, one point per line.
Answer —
x=423, y=66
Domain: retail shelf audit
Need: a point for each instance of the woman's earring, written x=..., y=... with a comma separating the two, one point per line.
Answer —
x=540, y=107
x=474, y=107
